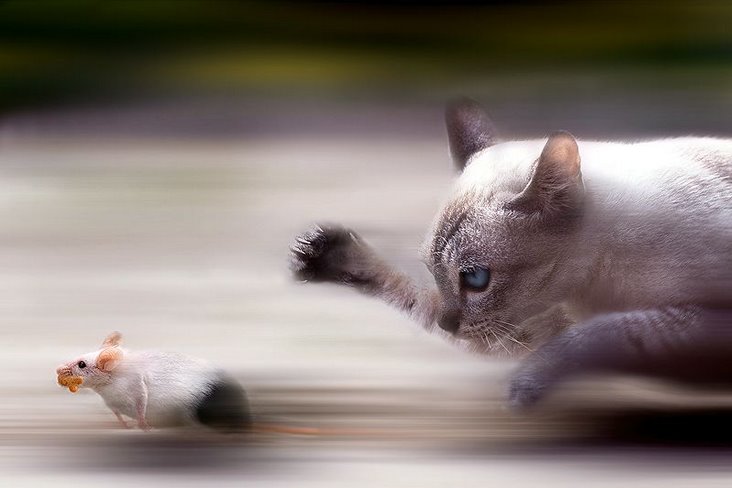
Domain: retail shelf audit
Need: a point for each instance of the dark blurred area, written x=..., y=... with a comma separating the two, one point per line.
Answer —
x=619, y=67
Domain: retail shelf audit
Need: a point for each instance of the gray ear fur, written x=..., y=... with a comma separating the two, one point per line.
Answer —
x=469, y=130
x=556, y=182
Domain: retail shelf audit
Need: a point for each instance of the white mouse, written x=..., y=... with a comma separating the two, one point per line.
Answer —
x=159, y=389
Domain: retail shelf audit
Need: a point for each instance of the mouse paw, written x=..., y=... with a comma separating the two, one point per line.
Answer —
x=328, y=253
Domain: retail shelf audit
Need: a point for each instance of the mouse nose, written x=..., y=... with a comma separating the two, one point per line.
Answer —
x=62, y=370
x=449, y=321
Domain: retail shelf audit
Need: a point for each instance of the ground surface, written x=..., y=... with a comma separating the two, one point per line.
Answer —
x=181, y=244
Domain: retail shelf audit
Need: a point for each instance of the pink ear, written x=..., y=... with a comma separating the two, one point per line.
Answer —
x=113, y=339
x=109, y=358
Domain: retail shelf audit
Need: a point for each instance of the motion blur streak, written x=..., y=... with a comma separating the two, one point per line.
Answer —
x=156, y=159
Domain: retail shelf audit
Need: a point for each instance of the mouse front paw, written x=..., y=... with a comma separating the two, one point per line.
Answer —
x=328, y=253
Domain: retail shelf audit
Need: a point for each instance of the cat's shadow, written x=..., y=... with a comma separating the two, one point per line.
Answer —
x=688, y=428
x=640, y=435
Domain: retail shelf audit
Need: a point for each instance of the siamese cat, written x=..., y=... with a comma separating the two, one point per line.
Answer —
x=588, y=257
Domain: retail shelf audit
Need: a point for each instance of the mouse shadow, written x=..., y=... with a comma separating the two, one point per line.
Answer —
x=176, y=452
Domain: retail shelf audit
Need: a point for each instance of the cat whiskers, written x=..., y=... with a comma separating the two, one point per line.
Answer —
x=479, y=340
x=518, y=342
x=500, y=342
x=486, y=340
x=488, y=337
x=483, y=332
x=503, y=327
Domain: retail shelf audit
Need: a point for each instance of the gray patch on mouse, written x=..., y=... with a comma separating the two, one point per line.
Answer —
x=225, y=407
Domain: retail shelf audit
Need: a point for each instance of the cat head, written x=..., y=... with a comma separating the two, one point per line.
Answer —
x=500, y=249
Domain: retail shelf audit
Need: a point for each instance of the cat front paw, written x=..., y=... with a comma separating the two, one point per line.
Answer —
x=525, y=391
x=328, y=253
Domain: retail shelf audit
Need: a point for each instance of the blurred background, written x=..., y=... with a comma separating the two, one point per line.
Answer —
x=157, y=158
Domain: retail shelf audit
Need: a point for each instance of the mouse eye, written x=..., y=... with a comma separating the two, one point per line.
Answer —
x=81, y=364
x=475, y=279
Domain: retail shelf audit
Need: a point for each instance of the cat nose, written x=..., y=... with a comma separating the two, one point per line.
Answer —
x=449, y=321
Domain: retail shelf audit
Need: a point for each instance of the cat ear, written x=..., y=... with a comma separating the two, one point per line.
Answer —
x=556, y=182
x=469, y=130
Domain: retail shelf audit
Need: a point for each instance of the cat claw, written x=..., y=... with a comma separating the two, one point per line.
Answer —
x=319, y=254
x=305, y=252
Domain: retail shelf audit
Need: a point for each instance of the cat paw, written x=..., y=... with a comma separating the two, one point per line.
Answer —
x=326, y=253
x=525, y=392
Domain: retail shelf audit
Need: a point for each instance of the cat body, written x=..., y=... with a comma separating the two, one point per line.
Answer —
x=596, y=256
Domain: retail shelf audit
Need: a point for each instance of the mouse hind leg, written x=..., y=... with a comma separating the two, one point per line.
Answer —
x=121, y=419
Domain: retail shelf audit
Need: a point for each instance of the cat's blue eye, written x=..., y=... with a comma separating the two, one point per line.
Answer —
x=475, y=279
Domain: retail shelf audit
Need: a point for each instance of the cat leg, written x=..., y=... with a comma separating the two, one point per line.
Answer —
x=678, y=343
x=338, y=255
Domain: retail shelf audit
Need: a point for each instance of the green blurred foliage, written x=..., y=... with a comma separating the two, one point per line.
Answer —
x=52, y=51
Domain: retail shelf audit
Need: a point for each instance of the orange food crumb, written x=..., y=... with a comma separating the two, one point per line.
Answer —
x=71, y=382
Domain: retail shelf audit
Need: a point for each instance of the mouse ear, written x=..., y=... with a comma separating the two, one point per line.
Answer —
x=113, y=339
x=109, y=358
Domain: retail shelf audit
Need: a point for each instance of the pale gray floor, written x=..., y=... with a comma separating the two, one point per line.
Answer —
x=182, y=245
